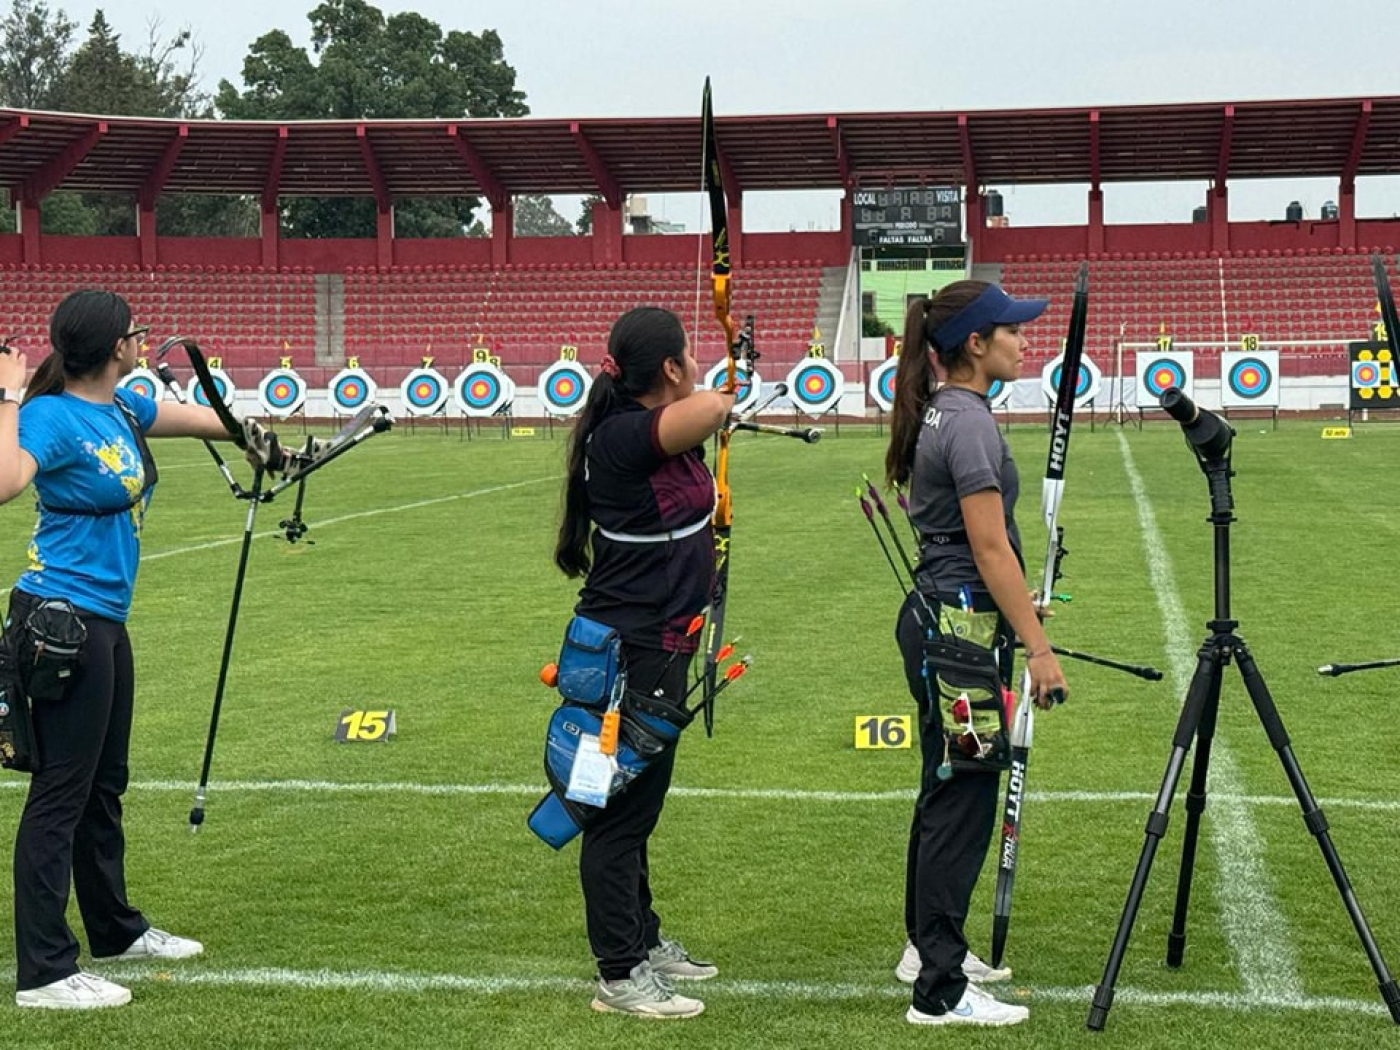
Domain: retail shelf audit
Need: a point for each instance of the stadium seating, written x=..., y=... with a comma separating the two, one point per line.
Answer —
x=1310, y=302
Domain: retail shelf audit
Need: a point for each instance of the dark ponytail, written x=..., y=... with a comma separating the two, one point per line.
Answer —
x=915, y=381
x=641, y=342
x=83, y=331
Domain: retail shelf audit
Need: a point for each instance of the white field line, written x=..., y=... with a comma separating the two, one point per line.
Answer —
x=397, y=982
x=1254, y=926
x=403, y=787
x=229, y=541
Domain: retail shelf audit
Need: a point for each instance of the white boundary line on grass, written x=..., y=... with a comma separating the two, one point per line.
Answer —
x=229, y=541
x=397, y=982
x=404, y=787
x=1254, y=926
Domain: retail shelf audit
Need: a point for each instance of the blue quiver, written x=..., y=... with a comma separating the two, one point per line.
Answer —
x=649, y=726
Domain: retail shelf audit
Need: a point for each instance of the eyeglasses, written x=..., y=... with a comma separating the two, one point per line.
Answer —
x=139, y=332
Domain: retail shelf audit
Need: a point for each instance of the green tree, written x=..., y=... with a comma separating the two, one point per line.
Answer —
x=535, y=216
x=34, y=50
x=367, y=65
x=584, y=223
x=871, y=327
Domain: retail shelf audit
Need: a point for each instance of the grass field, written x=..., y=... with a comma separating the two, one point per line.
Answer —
x=391, y=895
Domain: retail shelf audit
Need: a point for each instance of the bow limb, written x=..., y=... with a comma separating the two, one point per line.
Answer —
x=1022, y=727
x=723, y=519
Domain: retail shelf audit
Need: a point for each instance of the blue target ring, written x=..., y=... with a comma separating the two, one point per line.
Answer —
x=813, y=385
x=143, y=385
x=350, y=391
x=564, y=389
x=221, y=384
x=1082, y=382
x=887, y=383
x=1160, y=376
x=482, y=391
x=1250, y=378
x=423, y=391
x=1365, y=375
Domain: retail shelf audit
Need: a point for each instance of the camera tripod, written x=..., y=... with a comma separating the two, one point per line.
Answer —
x=1210, y=439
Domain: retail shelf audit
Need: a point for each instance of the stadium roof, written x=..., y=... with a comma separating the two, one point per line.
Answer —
x=1342, y=138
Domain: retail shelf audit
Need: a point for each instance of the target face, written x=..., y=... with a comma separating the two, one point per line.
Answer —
x=1159, y=371
x=483, y=390
x=750, y=383
x=144, y=382
x=281, y=392
x=563, y=388
x=1086, y=386
x=1365, y=375
x=424, y=391
x=880, y=384
x=815, y=385
x=1249, y=380
x=222, y=383
x=999, y=393
x=1374, y=382
x=351, y=390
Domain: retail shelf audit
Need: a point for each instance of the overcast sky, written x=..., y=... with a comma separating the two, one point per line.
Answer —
x=611, y=58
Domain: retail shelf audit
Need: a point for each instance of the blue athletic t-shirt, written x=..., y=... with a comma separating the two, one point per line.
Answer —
x=87, y=459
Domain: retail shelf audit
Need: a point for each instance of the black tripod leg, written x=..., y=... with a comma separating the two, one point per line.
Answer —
x=1204, y=691
x=197, y=813
x=1195, y=806
x=1316, y=823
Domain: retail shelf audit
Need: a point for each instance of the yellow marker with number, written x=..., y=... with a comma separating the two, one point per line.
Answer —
x=881, y=732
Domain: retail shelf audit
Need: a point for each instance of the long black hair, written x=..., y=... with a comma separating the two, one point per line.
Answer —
x=914, y=380
x=641, y=342
x=83, y=331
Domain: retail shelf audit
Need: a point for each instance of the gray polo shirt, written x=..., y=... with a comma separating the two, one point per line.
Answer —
x=960, y=451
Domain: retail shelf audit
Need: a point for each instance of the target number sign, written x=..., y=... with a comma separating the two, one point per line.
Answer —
x=815, y=385
x=143, y=381
x=1249, y=380
x=1374, y=379
x=366, y=727
x=883, y=732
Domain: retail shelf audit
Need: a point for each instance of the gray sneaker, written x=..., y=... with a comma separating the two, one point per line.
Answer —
x=644, y=993
x=670, y=959
x=974, y=969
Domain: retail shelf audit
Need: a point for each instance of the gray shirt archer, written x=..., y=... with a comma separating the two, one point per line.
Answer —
x=960, y=451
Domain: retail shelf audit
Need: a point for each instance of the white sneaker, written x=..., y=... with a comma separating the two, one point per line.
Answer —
x=973, y=968
x=156, y=944
x=975, y=1007
x=82, y=991
x=670, y=959
x=644, y=993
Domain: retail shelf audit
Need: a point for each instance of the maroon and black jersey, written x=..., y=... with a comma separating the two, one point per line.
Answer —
x=653, y=548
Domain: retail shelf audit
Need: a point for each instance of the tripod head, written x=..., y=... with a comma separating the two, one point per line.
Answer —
x=1208, y=435
x=1210, y=438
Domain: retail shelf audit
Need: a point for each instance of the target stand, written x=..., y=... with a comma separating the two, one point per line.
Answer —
x=1374, y=384
x=424, y=393
x=1158, y=367
x=1249, y=380
x=815, y=388
x=483, y=391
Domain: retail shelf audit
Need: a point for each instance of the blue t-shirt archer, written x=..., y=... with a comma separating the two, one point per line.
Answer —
x=87, y=459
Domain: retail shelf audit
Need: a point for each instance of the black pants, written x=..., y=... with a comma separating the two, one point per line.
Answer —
x=612, y=865
x=948, y=840
x=71, y=829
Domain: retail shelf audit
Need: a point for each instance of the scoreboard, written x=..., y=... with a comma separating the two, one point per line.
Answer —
x=925, y=216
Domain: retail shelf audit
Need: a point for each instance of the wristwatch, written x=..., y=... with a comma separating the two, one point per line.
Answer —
x=5, y=395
